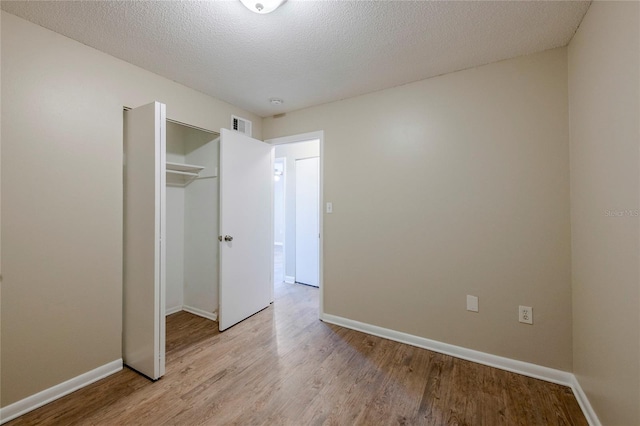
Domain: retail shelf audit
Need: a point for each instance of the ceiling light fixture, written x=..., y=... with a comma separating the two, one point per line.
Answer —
x=276, y=101
x=262, y=6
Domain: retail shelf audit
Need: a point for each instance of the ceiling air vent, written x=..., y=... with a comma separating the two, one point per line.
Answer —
x=241, y=125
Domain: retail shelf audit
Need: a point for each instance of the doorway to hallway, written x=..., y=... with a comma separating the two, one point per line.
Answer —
x=296, y=212
x=297, y=228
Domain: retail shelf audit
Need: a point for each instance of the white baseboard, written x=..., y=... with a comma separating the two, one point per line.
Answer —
x=209, y=315
x=32, y=402
x=289, y=279
x=584, y=403
x=46, y=396
x=520, y=367
x=173, y=310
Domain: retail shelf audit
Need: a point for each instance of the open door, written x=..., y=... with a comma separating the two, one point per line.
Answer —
x=246, y=175
x=144, y=236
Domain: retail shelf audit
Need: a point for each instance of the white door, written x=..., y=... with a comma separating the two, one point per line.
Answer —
x=246, y=175
x=307, y=220
x=144, y=236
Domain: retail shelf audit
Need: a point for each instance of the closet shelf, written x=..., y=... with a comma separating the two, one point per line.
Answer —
x=185, y=168
x=175, y=172
x=181, y=174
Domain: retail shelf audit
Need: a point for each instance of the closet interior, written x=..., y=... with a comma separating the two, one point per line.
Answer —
x=191, y=220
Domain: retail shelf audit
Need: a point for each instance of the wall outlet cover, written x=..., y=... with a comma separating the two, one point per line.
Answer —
x=525, y=314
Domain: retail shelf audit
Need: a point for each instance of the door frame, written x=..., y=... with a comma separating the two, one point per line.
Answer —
x=305, y=137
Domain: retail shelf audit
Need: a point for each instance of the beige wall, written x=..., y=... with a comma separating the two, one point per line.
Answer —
x=451, y=186
x=604, y=110
x=62, y=199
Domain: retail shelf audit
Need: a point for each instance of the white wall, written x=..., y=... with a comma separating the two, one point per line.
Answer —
x=192, y=222
x=201, y=256
x=175, y=249
x=278, y=203
x=292, y=152
x=62, y=199
x=175, y=223
x=604, y=108
x=450, y=186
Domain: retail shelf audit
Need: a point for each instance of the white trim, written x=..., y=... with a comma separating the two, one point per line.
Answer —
x=515, y=366
x=289, y=279
x=520, y=367
x=320, y=136
x=46, y=396
x=272, y=209
x=278, y=244
x=173, y=310
x=584, y=403
x=213, y=316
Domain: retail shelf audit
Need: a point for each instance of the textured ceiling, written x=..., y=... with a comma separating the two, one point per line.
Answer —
x=307, y=52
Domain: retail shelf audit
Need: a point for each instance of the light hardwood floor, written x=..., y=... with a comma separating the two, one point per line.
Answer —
x=284, y=366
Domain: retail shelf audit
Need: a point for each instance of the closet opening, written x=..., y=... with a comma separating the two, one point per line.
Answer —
x=170, y=237
x=192, y=220
x=196, y=234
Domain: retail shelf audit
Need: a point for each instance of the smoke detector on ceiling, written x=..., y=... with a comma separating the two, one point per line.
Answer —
x=276, y=101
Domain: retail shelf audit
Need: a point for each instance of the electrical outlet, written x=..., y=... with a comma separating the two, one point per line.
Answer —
x=525, y=314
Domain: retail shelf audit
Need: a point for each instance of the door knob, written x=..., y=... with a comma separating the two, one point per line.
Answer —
x=228, y=238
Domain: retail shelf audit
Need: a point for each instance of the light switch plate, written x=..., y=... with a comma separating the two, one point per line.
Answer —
x=472, y=303
x=329, y=207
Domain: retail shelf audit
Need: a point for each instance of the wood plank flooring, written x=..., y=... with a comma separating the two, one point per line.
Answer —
x=283, y=366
